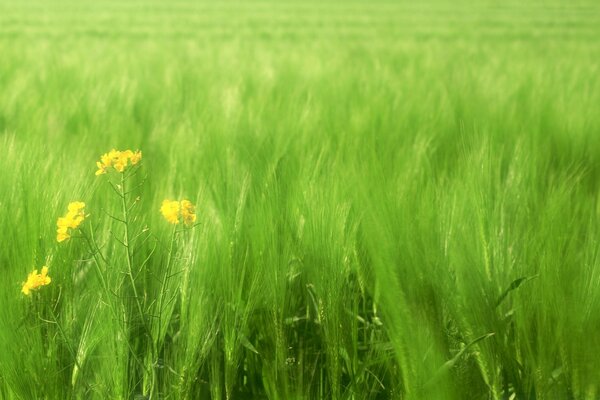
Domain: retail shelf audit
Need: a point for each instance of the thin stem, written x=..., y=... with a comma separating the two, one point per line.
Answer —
x=166, y=277
x=96, y=261
x=126, y=242
x=66, y=340
x=91, y=242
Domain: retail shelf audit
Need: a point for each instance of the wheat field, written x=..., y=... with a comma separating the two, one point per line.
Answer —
x=386, y=200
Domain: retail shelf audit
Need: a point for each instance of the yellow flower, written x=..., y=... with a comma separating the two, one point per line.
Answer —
x=170, y=210
x=120, y=166
x=173, y=209
x=35, y=280
x=101, y=168
x=62, y=236
x=105, y=162
x=188, y=212
x=76, y=206
x=118, y=160
x=72, y=219
x=136, y=157
x=106, y=159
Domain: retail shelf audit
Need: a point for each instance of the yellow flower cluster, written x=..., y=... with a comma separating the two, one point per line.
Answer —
x=118, y=160
x=35, y=281
x=172, y=210
x=74, y=217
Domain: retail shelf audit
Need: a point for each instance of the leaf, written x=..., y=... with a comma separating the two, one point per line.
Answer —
x=514, y=285
x=246, y=343
x=452, y=362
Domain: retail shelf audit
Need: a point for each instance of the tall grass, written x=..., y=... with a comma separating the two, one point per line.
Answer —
x=394, y=200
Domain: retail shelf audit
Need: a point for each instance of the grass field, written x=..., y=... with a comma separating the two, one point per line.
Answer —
x=394, y=200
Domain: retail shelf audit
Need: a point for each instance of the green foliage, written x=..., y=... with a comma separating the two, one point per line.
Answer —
x=395, y=200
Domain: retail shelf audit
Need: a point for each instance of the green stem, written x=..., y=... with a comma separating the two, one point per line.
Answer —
x=95, y=251
x=126, y=239
x=164, y=283
x=67, y=344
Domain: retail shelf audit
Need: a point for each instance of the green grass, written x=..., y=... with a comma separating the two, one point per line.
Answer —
x=395, y=200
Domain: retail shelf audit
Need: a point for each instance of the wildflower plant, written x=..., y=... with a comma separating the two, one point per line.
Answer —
x=143, y=317
x=126, y=163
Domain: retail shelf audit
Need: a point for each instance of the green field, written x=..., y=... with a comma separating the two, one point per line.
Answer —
x=394, y=200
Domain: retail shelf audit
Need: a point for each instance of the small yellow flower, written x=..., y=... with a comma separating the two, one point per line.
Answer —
x=106, y=159
x=188, y=212
x=35, y=281
x=101, y=168
x=170, y=210
x=105, y=162
x=173, y=209
x=136, y=157
x=62, y=236
x=62, y=233
x=120, y=166
x=76, y=206
x=72, y=219
x=118, y=160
